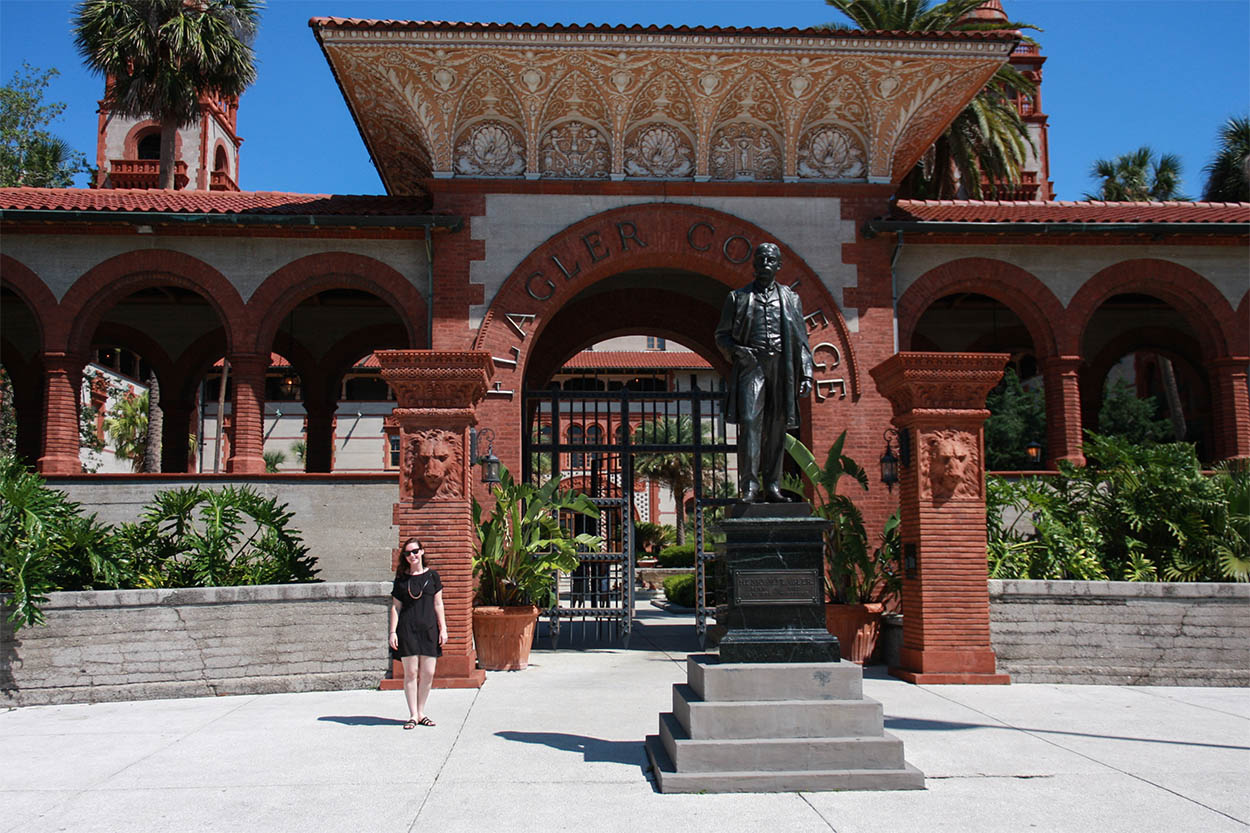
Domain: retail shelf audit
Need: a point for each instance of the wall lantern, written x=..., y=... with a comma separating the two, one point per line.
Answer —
x=1034, y=450
x=488, y=461
x=289, y=386
x=890, y=463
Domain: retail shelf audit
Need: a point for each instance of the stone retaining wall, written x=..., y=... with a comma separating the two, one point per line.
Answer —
x=145, y=644
x=142, y=644
x=1122, y=633
x=344, y=519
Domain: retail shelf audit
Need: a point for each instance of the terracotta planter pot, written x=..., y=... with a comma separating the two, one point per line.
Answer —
x=857, y=628
x=503, y=636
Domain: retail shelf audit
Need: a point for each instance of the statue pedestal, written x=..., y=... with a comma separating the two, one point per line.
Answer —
x=775, y=727
x=773, y=567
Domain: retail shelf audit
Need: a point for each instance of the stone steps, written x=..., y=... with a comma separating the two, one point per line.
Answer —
x=775, y=727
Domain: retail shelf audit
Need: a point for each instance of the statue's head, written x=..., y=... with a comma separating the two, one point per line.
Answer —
x=767, y=261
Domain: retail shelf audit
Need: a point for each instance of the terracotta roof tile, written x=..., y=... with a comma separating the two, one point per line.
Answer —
x=640, y=359
x=637, y=28
x=205, y=202
x=1089, y=211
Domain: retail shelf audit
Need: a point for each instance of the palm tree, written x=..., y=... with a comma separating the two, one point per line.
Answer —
x=674, y=470
x=1228, y=174
x=988, y=141
x=160, y=56
x=127, y=428
x=1139, y=176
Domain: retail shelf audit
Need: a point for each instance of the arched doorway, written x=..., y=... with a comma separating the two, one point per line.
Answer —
x=658, y=271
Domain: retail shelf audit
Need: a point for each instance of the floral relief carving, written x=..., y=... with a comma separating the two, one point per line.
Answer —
x=663, y=96
x=433, y=464
x=743, y=150
x=830, y=152
x=575, y=150
x=490, y=148
x=433, y=100
x=950, y=464
x=659, y=151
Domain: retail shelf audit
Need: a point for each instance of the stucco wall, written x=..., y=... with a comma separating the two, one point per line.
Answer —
x=1065, y=269
x=344, y=520
x=147, y=644
x=516, y=224
x=1121, y=633
x=60, y=260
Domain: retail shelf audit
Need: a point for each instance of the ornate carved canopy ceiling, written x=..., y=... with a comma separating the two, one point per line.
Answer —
x=519, y=101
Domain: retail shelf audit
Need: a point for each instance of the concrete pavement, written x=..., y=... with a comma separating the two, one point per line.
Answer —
x=559, y=747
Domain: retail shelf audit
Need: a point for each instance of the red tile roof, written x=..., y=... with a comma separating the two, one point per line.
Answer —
x=1091, y=211
x=205, y=202
x=637, y=28
x=640, y=359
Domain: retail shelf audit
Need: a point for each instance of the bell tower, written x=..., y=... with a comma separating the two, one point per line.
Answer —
x=128, y=150
x=1035, y=181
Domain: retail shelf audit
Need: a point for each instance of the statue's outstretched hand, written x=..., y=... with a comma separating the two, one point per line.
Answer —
x=805, y=387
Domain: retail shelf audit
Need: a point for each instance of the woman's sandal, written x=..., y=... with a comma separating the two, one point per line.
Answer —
x=425, y=721
x=410, y=724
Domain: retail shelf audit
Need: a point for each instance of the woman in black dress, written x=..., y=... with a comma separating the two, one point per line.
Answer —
x=418, y=628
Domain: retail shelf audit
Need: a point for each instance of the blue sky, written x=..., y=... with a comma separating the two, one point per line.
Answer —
x=1120, y=73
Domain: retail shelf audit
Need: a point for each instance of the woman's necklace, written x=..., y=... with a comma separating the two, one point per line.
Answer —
x=423, y=585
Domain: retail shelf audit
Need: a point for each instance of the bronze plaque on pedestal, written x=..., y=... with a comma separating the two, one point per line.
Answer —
x=776, y=587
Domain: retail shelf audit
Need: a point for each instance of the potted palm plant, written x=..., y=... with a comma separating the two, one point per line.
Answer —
x=521, y=548
x=859, y=581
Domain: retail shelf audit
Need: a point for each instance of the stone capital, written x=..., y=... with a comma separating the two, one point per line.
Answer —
x=946, y=382
x=436, y=380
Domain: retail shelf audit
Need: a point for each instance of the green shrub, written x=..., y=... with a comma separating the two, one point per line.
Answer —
x=679, y=590
x=1133, y=513
x=46, y=544
x=681, y=555
x=189, y=537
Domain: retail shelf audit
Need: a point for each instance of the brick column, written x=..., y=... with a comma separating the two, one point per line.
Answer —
x=61, y=382
x=939, y=401
x=1063, y=410
x=438, y=393
x=178, y=425
x=319, y=454
x=247, y=412
x=1231, y=403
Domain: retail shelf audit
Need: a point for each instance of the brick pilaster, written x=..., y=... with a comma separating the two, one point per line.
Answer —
x=247, y=371
x=438, y=393
x=939, y=401
x=62, y=380
x=1231, y=406
x=1064, y=440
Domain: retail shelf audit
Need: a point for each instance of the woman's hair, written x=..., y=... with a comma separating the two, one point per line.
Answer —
x=401, y=569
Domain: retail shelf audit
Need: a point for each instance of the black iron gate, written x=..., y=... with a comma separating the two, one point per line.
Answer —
x=594, y=441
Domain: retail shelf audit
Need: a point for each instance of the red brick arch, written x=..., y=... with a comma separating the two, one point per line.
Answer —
x=1019, y=290
x=107, y=283
x=1193, y=296
x=34, y=293
x=671, y=236
x=300, y=279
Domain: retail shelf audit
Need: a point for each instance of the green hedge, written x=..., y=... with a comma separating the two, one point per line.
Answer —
x=679, y=590
x=677, y=556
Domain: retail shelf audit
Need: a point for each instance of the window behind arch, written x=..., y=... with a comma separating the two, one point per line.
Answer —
x=149, y=146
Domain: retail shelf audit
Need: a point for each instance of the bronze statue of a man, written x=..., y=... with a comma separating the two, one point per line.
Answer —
x=761, y=331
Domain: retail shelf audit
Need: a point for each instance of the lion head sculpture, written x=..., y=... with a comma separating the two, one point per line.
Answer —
x=434, y=464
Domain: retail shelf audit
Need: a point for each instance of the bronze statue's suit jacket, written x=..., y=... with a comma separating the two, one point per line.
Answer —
x=796, y=356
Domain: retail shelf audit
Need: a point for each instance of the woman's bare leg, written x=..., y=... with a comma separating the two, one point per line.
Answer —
x=411, y=670
x=425, y=679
